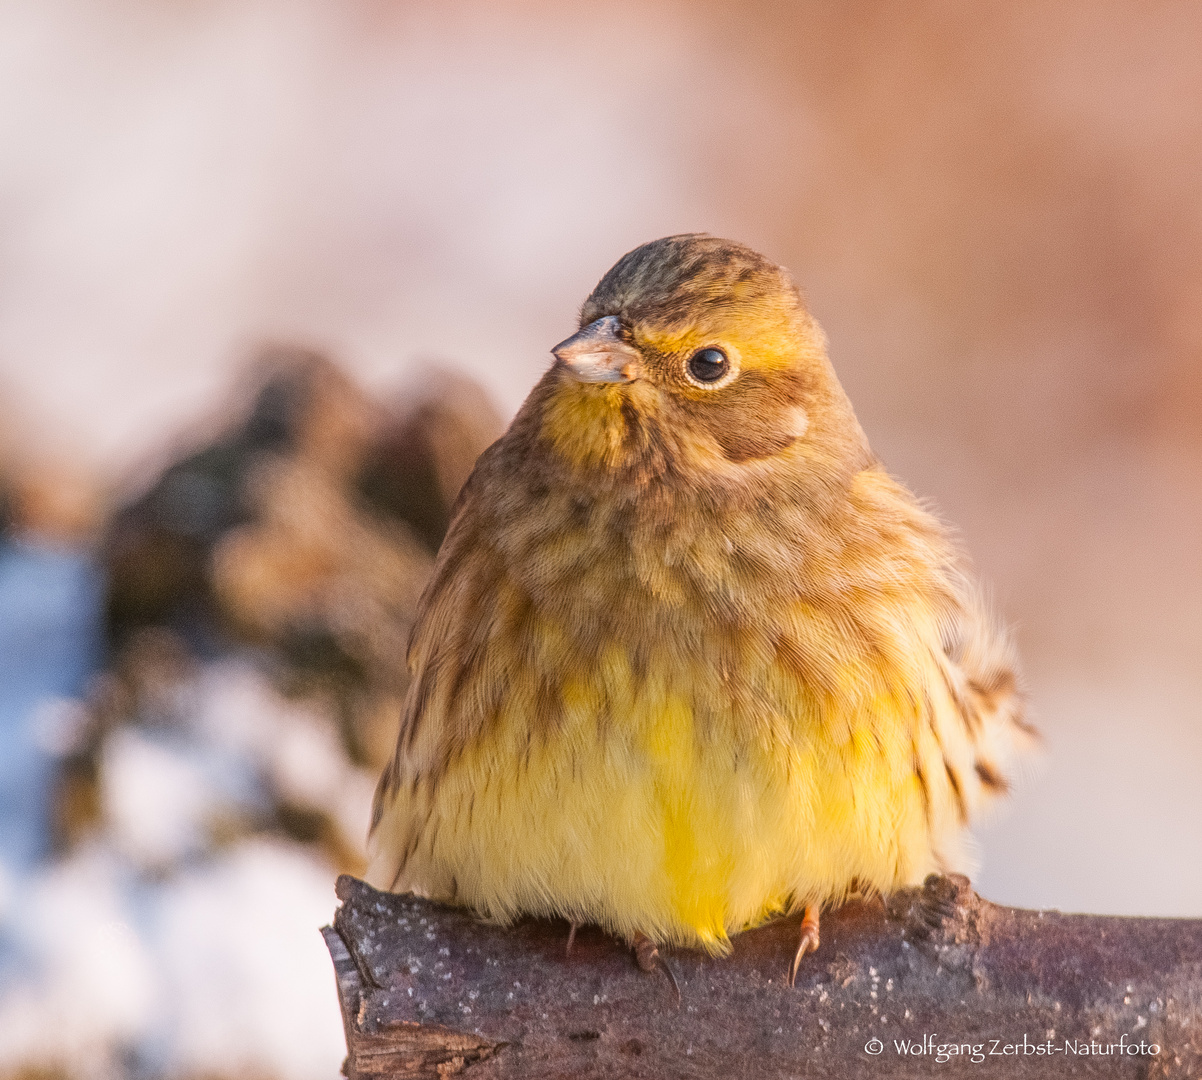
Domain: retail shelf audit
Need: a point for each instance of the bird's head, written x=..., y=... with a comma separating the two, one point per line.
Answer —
x=701, y=346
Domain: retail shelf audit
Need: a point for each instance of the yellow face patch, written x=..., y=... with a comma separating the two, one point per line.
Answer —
x=764, y=336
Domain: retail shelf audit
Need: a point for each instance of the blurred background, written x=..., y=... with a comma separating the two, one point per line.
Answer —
x=273, y=273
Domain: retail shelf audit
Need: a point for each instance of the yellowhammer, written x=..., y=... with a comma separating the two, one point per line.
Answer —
x=690, y=657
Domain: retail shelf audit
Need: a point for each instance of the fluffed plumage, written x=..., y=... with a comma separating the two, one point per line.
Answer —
x=690, y=656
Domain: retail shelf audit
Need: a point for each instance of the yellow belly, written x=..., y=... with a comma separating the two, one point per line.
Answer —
x=649, y=818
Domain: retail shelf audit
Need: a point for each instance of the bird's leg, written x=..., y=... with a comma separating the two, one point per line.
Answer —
x=648, y=957
x=571, y=937
x=809, y=939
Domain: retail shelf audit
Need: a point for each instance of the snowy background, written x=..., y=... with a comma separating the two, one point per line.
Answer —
x=994, y=212
x=146, y=949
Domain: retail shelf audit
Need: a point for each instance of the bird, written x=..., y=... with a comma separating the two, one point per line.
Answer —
x=690, y=657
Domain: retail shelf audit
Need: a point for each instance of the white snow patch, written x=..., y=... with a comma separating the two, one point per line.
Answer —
x=221, y=971
x=89, y=987
x=246, y=971
x=157, y=798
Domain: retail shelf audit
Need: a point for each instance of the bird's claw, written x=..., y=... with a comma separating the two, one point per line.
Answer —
x=809, y=939
x=647, y=954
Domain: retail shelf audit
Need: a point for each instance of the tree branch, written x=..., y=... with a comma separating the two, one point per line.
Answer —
x=428, y=990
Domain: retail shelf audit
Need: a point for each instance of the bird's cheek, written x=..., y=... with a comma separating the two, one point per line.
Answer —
x=753, y=436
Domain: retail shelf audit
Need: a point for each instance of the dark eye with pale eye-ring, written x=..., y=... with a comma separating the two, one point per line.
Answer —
x=708, y=365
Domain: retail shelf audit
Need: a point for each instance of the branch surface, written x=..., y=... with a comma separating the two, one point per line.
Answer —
x=429, y=991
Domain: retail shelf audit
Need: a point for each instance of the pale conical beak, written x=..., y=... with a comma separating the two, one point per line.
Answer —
x=597, y=353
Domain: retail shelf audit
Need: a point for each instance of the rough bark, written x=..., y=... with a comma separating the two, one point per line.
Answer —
x=430, y=991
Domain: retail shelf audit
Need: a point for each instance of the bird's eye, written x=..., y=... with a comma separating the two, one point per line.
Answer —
x=708, y=365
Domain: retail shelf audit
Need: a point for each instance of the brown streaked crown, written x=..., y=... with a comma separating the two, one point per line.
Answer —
x=688, y=278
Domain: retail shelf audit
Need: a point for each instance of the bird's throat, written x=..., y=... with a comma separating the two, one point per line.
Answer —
x=588, y=424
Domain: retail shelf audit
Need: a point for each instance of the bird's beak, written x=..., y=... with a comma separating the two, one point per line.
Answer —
x=597, y=353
